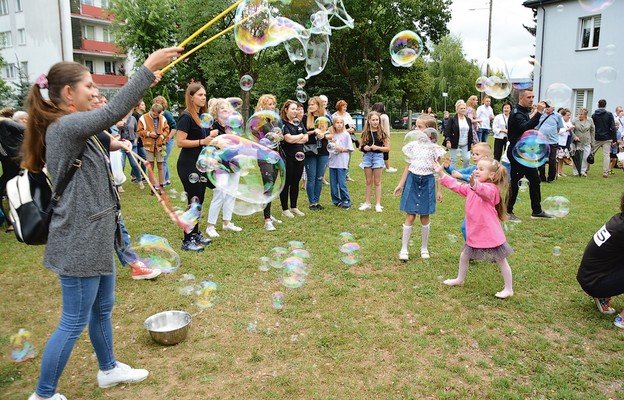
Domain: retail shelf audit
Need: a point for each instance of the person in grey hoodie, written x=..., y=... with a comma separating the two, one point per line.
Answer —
x=83, y=226
x=605, y=134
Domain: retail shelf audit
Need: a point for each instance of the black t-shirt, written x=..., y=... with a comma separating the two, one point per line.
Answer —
x=604, y=253
x=321, y=145
x=291, y=148
x=373, y=140
x=187, y=124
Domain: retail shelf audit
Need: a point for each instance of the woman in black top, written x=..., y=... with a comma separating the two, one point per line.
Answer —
x=317, y=155
x=191, y=139
x=292, y=152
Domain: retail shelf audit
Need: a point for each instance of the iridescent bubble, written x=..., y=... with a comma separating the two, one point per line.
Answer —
x=296, y=121
x=560, y=8
x=610, y=49
x=173, y=194
x=277, y=256
x=183, y=197
x=193, y=177
x=206, y=120
x=246, y=170
x=523, y=73
x=154, y=252
x=300, y=253
x=560, y=94
x=244, y=208
x=301, y=82
x=331, y=147
x=236, y=102
x=405, y=47
x=190, y=217
x=532, y=150
x=277, y=299
x=317, y=54
x=234, y=123
x=294, y=272
x=302, y=96
x=207, y=160
x=494, y=66
x=523, y=184
x=346, y=237
x=265, y=124
x=414, y=141
x=265, y=264
x=606, y=74
x=432, y=133
x=205, y=295
x=295, y=245
x=246, y=83
x=556, y=251
x=498, y=87
x=322, y=124
x=558, y=206
x=452, y=238
x=595, y=5
x=350, y=253
x=21, y=346
x=481, y=83
x=299, y=156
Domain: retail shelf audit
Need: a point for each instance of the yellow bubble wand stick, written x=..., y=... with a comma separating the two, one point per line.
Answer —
x=199, y=46
x=209, y=23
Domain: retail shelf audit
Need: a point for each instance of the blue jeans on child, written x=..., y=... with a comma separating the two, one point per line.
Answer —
x=168, y=148
x=465, y=156
x=338, y=186
x=85, y=300
x=315, y=168
x=135, y=172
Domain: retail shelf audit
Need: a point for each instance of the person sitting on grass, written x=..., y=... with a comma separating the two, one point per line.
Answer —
x=601, y=273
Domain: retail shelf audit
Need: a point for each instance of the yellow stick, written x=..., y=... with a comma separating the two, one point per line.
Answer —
x=212, y=21
x=199, y=46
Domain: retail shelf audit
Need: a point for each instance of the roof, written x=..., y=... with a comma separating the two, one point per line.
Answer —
x=537, y=3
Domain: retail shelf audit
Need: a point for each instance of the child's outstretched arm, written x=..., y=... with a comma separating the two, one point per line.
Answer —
x=445, y=180
x=399, y=188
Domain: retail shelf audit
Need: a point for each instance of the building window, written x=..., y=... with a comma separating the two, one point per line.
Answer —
x=4, y=7
x=6, y=40
x=106, y=35
x=89, y=32
x=24, y=69
x=583, y=98
x=89, y=65
x=589, y=32
x=105, y=3
x=87, y=2
x=21, y=36
x=10, y=71
x=109, y=68
x=18, y=6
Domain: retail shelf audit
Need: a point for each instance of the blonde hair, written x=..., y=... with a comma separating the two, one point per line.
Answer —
x=484, y=146
x=160, y=100
x=218, y=103
x=264, y=100
x=459, y=103
x=382, y=135
x=500, y=180
x=429, y=121
x=320, y=112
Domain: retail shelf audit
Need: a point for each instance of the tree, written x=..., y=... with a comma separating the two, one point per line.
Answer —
x=451, y=72
x=22, y=88
x=6, y=93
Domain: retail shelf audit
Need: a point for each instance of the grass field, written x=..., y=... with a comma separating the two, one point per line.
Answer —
x=379, y=329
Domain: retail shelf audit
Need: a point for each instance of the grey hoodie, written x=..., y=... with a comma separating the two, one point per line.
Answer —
x=82, y=229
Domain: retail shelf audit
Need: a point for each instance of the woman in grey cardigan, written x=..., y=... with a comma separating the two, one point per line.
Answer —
x=80, y=246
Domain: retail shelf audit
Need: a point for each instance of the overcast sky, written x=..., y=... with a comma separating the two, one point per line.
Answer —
x=510, y=41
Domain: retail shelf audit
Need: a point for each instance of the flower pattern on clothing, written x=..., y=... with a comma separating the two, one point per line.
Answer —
x=421, y=155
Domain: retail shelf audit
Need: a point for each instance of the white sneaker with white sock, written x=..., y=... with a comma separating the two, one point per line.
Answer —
x=275, y=220
x=378, y=207
x=232, y=227
x=122, y=373
x=268, y=225
x=57, y=396
x=364, y=206
x=212, y=232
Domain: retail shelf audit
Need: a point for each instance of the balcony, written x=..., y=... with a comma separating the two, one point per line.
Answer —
x=95, y=12
x=97, y=47
x=109, y=80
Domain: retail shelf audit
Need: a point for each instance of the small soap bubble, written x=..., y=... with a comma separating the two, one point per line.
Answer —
x=301, y=82
x=331, y=147
x=277, y=256
x=294, y=338
x=346, y=237
x=265, y=264
x=205, y=295
x=411, y=243
x=278, y=300
x=299, y=156
x=452, y=238
x=405, y=47
x=350, y=253
x=523, y=184
x=295, y=245
x=21, y=346
x=556, y=251
x=606, y=74
x=236, y=102
x=186, y=278
x=252, y=327
x=296, y=121
x=322, y=124
x=595, y=5
x=301, y=96
x=294, y=272
x=560, y=8
x=557, y=206
x=432, y=133
x=610, y=49
x=183, y=197
x=206, y=120
x=173, y=194
x=193, y=177
x=246, y=83
x=509, y=227
x=480, y=83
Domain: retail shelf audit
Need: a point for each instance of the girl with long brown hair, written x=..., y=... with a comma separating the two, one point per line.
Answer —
x=375, y=141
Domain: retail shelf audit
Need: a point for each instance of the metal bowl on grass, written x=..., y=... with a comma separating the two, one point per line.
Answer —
x=168, y=327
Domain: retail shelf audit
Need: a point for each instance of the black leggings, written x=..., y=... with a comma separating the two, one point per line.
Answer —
x=294, y=171
x=609, y=286
x=186, y=166
x=499, y=147
x=269, y=173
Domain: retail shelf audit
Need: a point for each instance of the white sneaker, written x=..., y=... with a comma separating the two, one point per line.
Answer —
x=57, y=396
x=122, y=373
x=232, y=227
x=391, y=169
x=296, y=211
x=364, y=206
x=275, y=220
x=403, y=255
x=268, y=225
x=212, y=232
x=361, y=165
x=378, y=208
x=424, y=253
x=288, y=214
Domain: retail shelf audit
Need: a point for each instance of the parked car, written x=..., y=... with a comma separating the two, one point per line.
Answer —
x=402, y=122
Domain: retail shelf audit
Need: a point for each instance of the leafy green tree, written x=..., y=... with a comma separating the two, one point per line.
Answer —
x=6, y=93
x=22, y=88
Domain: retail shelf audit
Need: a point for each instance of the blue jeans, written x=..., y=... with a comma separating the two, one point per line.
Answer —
x=126, y=254
x=168, y=148
x=85, y=300
x=338, y=186
x=315, y=168
x=141, y=152
x=135, y=172
x=483, y=134
x=465, y=156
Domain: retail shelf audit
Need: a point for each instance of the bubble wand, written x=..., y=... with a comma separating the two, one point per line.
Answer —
x=212, y=21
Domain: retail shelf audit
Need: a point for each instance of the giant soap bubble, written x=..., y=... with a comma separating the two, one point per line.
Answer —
x=532, y=150
x=405, y=47
x=265, y=127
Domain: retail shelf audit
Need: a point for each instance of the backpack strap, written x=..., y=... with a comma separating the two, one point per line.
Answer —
x=58, y=191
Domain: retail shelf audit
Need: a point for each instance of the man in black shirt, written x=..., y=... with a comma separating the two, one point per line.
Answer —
x=520, y=121
x=605, y=134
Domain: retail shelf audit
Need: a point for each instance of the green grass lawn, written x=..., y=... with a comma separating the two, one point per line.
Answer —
x=379, y=329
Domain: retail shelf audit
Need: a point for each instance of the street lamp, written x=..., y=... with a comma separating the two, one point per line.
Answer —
x=445, y=95
x=489, y=38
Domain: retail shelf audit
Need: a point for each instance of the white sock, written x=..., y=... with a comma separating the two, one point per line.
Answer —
x=425, y=236
x=507, y=278
x=407, y=232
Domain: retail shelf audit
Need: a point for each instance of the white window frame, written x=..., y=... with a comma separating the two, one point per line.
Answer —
x=21, y=36
x=18, y=6
x=90, y=68
x=595, y=22
x=4, y=7
x=107, y=35
x=85, y=29
x=86, y=2
x=6, y=39
x=111, y=68
x=583, y=98
x=105, y=3
x=10, y=71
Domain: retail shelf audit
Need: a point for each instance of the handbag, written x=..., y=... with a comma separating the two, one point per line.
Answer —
x=356, y=142
x=310, y=148
x=590, y=158
x=32, y=202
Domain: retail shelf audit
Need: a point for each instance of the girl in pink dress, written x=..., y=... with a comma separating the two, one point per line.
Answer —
x=484, y=211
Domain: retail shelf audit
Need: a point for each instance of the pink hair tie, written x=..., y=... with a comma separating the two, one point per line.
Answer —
x=42, y=81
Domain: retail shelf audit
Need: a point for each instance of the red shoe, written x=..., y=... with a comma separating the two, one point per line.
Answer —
x=141, y=271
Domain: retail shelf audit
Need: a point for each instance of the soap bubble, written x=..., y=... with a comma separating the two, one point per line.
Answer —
x=481, y=83
x=295, y=245
x=278, y=300
x=317, y=54
x=205, y=295
x=556, y=251
x=246, y=83
x=236, y=102
x=498, y=87
x=452, y=238
x=432, y=133
x=244, y=208
x=234, y=123
x=154, y=252
x=265, y=124
x=532, y=150
x=206, y=120
x=21, y=346
x=557, y=206
x=277, y=256
x=294, y=272
x=560, y=8
x=405, y=47
x=299, y=156
x=560, y=94
x=173, y=194
x=350, y=253
x=606, y=74
x=193, y=177
x=331, y=147
x=595, y=5
x=301, y=82
x=494, y=66
x=265, y=264
x=523, y=73
x=523, y=184
x=183, y=197
x=190, y=217
x=346, y=237
x=301, y=96
x=322, y=124
x=610, y=49
x=300, y=253
x=296, y=121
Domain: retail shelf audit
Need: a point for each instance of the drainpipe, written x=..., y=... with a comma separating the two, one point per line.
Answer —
x=61, y=29
x=542, y=49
